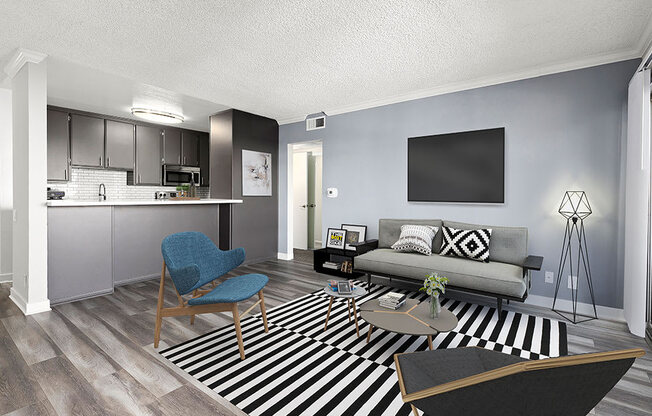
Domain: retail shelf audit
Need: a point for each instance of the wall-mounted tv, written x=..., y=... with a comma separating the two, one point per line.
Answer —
x=457, y=167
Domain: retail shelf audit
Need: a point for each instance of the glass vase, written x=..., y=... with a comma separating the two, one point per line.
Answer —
x=435, y=307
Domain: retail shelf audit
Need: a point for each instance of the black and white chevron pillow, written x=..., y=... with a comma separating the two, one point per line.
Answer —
x=416, y=238
x=472, y=244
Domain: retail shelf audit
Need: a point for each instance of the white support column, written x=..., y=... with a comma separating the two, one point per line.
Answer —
x=28, y=74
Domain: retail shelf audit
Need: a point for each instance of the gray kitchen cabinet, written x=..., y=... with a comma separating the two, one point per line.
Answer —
x=80, y=264
x=58, y=146
x=189, y=148
x=87, y=141
x=148, y=155
x=171, y=146
x=204, y=159
x=119, y=145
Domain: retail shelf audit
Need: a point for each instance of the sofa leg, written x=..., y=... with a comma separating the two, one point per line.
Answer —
x=369, y=281
x=499, y=302
x=508, y=301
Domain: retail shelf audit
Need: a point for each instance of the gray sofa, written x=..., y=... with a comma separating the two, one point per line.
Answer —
x=505, y=276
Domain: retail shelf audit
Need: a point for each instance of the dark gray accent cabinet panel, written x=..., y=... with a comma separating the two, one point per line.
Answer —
x=254, y=223
x=139, y=231
x=58, y=146
x=190, y=148
x=148, y=155
x=87, y=140
x=172, y=146
x=204, y=159
x=79, y=253
x=119, y=145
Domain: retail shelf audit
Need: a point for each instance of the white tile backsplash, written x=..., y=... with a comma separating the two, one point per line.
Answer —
x=84, y=184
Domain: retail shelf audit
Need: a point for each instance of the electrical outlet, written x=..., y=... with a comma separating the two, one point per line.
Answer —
x=550, y=277
x=572, y=282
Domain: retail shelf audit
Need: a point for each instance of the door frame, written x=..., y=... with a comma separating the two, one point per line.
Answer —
x=289, y=255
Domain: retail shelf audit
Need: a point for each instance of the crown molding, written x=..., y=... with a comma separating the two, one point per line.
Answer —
x=556, y=68
x=20, y=58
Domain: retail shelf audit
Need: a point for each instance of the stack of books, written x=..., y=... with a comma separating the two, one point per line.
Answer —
x=392, y=300
x=331, y=265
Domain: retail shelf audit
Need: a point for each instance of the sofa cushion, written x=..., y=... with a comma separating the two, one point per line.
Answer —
x=495, y=277
x=470, y=244
x=508, y=244
x=415, y=238
x=389, y=231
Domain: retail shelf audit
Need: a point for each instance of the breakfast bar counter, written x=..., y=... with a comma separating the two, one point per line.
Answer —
x=94, y=246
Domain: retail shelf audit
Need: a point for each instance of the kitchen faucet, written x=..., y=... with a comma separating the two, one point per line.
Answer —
x=102, y=193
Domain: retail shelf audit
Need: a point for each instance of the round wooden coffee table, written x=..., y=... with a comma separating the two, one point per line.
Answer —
x=413, y=318
x=356, y=292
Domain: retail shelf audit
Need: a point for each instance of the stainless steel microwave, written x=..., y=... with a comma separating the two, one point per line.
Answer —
x=180, y=175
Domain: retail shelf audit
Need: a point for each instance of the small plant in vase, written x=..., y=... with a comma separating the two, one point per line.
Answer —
x=434, y=285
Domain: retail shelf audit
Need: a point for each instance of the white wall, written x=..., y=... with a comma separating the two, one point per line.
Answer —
x=29, y=112
x=6, y=185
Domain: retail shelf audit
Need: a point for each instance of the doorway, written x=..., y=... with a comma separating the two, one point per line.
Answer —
x=306, y=199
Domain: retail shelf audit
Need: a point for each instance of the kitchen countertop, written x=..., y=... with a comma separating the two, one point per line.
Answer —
x=132, y=202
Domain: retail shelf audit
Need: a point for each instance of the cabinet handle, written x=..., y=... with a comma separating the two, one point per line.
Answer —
x=184, y=160
x=65, y=174
x=179, y=161
x=108, y=161
x=100, y=160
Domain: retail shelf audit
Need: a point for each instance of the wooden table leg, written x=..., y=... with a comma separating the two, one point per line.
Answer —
x=348, y=304
x=330, y=305
x=371, y=328
x=414, y=410
x=430, y=342
x=355, y=318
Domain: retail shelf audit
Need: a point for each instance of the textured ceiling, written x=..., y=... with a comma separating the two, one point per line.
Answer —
x=285, y=59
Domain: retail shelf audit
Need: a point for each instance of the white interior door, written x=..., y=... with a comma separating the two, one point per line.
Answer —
x=300, y=200
x=637, y=183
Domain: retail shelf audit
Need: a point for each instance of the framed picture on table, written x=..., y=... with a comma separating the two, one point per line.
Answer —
x=336, y=238
x=354, y=234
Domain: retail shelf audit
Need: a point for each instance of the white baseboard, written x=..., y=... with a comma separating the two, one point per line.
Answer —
x=6, y=277
x=604, y=312
x=28, y=308
x=285, y=256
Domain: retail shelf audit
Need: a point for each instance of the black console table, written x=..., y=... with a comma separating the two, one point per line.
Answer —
x=323, y=255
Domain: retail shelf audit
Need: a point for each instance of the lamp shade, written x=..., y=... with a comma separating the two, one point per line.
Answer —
x=575, y=204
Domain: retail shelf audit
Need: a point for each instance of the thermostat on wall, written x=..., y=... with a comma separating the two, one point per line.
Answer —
x=331, y=192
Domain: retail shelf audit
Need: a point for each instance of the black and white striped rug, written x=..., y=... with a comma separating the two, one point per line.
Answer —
x=298, y=368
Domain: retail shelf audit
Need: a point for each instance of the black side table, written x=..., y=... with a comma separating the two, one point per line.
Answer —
x=323, y=255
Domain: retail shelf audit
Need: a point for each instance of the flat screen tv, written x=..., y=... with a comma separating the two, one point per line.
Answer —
x=457, y=167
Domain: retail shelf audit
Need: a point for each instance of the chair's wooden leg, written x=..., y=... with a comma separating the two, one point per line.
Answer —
x=192, y=317
x=159, y=307
x=263, y=311
x=414, y=410
x=355, y=318
x=430, y=342
x=328, y=313
x=348, y=304
x=371, y=328
x=238, y=331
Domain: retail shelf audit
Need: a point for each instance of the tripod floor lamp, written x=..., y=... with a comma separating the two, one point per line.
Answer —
x=574, y=253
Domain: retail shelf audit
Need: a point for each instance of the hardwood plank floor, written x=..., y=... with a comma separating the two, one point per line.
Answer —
x=96, y=356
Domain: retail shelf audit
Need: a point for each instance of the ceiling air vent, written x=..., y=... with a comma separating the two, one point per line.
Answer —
x=315, y=123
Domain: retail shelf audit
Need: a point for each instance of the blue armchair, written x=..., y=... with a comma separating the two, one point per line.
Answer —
x=193, y=261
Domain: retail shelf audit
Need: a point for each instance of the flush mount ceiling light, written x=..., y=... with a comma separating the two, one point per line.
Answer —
x=157, y=116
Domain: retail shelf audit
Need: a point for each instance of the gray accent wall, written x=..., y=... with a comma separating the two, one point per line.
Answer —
x=562, y=132
x=254, y=223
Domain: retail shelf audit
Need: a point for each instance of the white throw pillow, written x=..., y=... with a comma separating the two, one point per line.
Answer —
x=416, y=238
